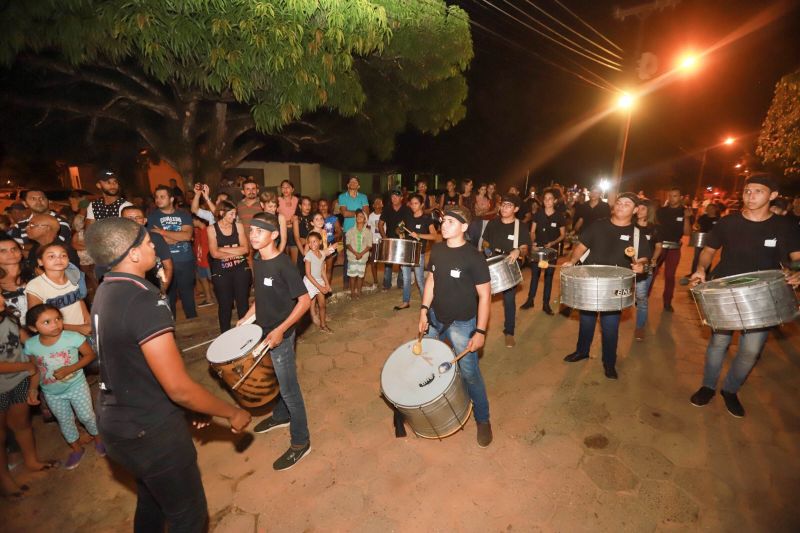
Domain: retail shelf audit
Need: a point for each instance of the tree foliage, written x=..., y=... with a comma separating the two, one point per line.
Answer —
x=779, y=141
x=206, y=82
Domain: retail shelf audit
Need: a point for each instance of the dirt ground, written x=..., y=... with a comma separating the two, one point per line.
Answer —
x=572, y=450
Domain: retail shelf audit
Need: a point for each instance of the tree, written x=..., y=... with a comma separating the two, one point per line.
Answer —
x=779, y=141
x=204, y=83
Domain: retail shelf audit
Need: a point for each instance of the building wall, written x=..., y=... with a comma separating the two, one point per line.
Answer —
x=161, y=173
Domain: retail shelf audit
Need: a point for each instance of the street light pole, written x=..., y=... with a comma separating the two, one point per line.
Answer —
x=622, y=148
x=699, y=192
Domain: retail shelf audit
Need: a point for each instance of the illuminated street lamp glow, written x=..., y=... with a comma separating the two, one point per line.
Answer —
x=729, y=141
x=625, y=101
x=738, y=165
x=688, y=62
x=604, y=185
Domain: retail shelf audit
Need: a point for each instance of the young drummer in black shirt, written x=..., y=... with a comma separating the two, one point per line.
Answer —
x=547, y=230
x=607, y=240
x=418, y=226
x=751, y=240
x=455, y=306
x=508, y=235
x=145, y=384
x=674, y=221
x=281, y=300
x=705, y=224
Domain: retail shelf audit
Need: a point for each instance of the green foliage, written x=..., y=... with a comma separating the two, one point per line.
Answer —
x=779, y=141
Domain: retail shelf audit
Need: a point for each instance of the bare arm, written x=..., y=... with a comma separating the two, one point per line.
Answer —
x=283, y=232
x=86, y=327
x=430, y=236
x=301, y=245
x=169, y=268
x=577, y=251
x=484, y=304
x=173, y=237
x=703, y=262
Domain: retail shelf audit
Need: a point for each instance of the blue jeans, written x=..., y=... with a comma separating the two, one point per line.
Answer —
x=182, y=285
x=290, y=404
x=419, y=273
x=459, y=334
x=642, y=292
x=509, y=310
x=548, y=283
x=751, y=343
x=609, y=326
x=387, y=276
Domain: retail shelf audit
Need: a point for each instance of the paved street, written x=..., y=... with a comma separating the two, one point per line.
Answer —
x=573, y=451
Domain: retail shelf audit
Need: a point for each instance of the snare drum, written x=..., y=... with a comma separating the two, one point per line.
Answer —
x=670, y=245
x=434, y=405
x=746, y=301
x=598, y=287
x=698, y=239
x=232, y=354
x=399, y=252
x=544, y=254
x=503, y=274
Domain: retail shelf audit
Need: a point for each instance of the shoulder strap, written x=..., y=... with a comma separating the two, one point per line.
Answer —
x=516, y=233
x=636, y=234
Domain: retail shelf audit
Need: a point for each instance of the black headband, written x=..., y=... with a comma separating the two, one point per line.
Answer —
x=136, y=242
x=263, y=224
x=455, y=214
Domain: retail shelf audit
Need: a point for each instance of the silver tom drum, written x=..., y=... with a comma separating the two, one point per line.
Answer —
x=399, y=252
x=434, y=405
x=698, y=239
x=504, y=275
x=598, y=287
x=544, y=254
x=746, y=301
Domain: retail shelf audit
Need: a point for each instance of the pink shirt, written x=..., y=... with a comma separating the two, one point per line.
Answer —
x=287, y=208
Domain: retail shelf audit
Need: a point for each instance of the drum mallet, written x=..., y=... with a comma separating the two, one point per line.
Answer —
x=447, y=365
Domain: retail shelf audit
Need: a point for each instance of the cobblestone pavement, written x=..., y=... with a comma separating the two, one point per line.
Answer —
x=572, y=450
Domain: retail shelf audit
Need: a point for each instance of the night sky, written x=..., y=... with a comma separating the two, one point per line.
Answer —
x=517, y=102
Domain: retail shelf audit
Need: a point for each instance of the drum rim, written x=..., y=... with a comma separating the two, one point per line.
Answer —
x=240, y=356
x=435, y=368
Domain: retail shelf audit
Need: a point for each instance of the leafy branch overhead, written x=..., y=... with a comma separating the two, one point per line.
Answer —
x=206, y=82
x=779, y=141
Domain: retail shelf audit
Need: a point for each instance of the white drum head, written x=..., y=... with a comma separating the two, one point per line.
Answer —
x=234, y=343
x=410, y=380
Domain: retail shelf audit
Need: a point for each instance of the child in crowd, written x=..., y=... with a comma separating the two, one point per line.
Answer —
x=55, y=288
x=359, y=244
x=200, y=245
x=333, y=234
x=316, y=280
x=372, y=224
x=60, y=357
x=16, y=375
x=269, y=203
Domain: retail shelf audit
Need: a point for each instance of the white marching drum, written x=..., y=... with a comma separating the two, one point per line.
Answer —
x=399, y=252
x=434, y=404
x=503, y=274
x=598, y=287
x=698, y=239
x=746, y=301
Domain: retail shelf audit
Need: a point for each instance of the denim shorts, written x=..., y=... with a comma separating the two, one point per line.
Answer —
x=203, y=272
x=19, y=394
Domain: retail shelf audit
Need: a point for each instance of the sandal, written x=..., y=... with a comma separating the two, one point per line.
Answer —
x=401, y=307
x=49, y=465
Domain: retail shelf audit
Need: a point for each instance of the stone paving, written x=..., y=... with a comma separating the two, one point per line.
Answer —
x=573, y=451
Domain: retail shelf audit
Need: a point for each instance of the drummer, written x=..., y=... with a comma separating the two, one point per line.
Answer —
x=455, y=306
x=674, y=221
x=548, y=229
x=751, y=240
x=281, y=300
x=606, y=242
x=508, y=235
x=419, y=226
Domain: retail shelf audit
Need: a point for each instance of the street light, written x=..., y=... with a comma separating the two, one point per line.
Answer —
x=626, y=101
x=688, y=62
x=728, y=141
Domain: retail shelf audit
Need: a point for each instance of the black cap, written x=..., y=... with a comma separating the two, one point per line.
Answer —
x=763, y=178
x=396, y=192
x=107, y=174
x=633, y=197
x=510, y=198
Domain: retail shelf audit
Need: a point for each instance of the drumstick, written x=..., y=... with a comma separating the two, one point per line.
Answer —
x=198, y=345
x=253, y=367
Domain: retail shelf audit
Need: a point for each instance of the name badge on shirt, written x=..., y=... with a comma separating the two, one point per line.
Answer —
x=553, y=225
x=510, y=237
x=455, y=273
x=647, y=237
x=679, y=219
x=268, y=282
x=770, y=243
x=624, y=237
x=418, y=226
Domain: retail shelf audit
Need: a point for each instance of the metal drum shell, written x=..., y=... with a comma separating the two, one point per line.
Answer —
x=544, y=254
x=698, y=239
x=598, y=287
x=504, y=275
x=671, y=245
x=399, y=252
x=767, y=301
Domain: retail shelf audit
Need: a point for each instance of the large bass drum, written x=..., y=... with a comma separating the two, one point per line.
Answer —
x=434, y=405
x=399, y=252
x=598, y=287
x=746, y=301
x=231, y=356
x=503, y=274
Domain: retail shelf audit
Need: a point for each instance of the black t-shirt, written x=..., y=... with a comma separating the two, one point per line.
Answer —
x=304, y=227
x=749, y=246
x=456, y=272
x=650, y=233
x=421, y=224
x=392, y=218
x=278, y=285
x=705, y=223
x=128, y=312
x=670, y=220
x=500, y=235
x=450, y=201
x=590, y=214
x=607, y=243
x=548, y=226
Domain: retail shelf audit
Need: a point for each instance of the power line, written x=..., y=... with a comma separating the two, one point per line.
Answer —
x=566, y=26
x=606, y=39
x=548, y=37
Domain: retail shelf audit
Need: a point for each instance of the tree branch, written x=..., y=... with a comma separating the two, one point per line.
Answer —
x=238, y=154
